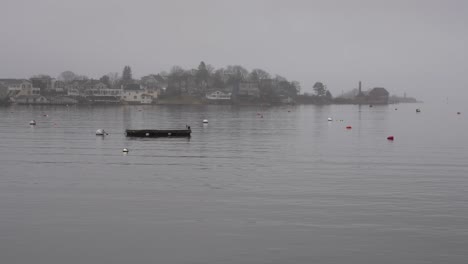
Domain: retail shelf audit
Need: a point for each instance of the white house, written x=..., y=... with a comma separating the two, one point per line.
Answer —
x=218, y=95
x=134, y=94
x=23, y=87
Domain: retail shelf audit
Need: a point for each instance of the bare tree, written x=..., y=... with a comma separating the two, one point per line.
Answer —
x=237, y=73
x=114, y=78
x=258, y=75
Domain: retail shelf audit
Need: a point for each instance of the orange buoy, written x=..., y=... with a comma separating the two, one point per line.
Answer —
x=390, y=138
x=349, y=127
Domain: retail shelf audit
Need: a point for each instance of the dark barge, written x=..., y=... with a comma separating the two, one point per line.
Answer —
x=158, y=133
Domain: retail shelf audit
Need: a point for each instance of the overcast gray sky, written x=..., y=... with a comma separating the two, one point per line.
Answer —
x=417, y=46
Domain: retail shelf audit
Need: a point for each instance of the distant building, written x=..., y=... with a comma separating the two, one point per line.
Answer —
x=76, y=88
x=153, y=92
x=43, y=82
x=249, y=89
x=218, y=95
x=378, y=95
x=30, y=99
x=134, y=94
x=58, y=86
x=100, y=93
x=154, y=82
x=22, y=87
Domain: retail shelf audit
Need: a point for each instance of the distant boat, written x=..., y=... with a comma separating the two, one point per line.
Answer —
x=159, y=133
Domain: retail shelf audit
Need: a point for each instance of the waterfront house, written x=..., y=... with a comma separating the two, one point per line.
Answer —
x=58, y=86
x=30, y=99
x=76, y=88
x=218, y=95
x=22, y=87
x=153, y=92
x=134, y=94
x=100, y=93
x=43, y=82
x=248, y=89
x=378, y=95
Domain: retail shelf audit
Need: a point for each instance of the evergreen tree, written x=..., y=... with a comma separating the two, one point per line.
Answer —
x=127, y=75
x=202, y=74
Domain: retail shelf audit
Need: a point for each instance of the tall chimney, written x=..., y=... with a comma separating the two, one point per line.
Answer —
x=360, y=88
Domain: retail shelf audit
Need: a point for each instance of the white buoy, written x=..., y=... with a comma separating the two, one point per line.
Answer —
x=125, y=150
x=100, y=132
x=330, y=119
x=32, y=123
x=205, y=121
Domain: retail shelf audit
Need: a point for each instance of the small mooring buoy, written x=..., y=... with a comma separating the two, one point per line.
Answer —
x=370, y=105
x=458, y=113
x=32, y=122
x=125, y=150
x=205, y=121
x=349, y=127
x=330, y=119
x=391, y=138
x=418, y=110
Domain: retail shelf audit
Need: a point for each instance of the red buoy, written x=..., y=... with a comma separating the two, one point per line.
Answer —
x=390, y=138
x=349, y=127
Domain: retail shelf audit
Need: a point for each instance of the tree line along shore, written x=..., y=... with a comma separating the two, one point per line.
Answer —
x=232, y=84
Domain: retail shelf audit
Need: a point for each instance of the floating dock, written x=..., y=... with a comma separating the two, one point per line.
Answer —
x=158, y=133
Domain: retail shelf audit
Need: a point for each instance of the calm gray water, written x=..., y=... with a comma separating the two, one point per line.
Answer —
x=290, y=187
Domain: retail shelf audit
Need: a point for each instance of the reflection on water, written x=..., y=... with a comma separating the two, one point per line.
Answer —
x=255, y=185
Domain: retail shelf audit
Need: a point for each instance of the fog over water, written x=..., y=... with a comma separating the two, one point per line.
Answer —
x=418, y=47
x=256, y=184
x=290, y=187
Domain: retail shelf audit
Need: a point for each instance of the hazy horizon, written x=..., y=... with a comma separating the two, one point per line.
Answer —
x=417, y=47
